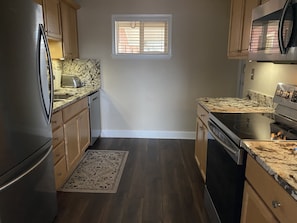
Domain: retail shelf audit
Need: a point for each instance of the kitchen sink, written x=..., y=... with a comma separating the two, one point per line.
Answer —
x=57, y=100
x=62, y=96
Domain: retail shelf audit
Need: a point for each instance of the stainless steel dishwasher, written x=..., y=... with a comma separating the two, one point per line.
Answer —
x=95, y=117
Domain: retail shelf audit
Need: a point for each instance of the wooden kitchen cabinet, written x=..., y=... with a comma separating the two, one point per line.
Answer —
x=58, y=149
x=60, y=172
x=201, y=139
x=84, y=130
x=71, y=143
x=76, y=132
x=240, y=27
x=69, y=29
x=254, y=210
x=264, y=199
x=71, y=137
x=52, y=19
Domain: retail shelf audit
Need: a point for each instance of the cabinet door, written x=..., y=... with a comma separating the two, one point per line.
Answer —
x=60, y=172
x=71, y=143
x=69, y=27
x=84, y=130
x=52, y=19
x=271, y=192
x=235, y=27
x=201, y=147
x=240, y=26
x=253, y=208
x=247, y=20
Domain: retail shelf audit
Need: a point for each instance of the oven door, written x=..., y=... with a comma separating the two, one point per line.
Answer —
x=224, y=177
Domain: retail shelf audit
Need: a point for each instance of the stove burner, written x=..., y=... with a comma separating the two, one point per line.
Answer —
x=257, y=126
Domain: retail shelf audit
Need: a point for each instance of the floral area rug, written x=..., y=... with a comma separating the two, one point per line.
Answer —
x=99, y=171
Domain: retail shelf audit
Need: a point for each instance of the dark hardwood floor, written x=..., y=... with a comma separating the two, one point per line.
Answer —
x=161, y=183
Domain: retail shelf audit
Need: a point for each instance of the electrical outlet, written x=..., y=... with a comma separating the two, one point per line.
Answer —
x=253, y=74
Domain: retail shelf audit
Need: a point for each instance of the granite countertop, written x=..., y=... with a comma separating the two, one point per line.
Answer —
x=78, y=93
x=232, y=105
x=278, y=159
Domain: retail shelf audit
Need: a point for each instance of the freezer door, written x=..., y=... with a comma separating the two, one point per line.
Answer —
x=25, y=84
x=31, y=197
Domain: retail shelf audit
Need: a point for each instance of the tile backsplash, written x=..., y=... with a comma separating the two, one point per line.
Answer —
x=87, y=70
x=262, y=99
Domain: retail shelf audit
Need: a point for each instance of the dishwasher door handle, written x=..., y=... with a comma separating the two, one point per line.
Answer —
x=93, y=99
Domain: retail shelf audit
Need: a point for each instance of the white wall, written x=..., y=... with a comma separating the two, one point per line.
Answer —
x=156, y=98
x=267, y=75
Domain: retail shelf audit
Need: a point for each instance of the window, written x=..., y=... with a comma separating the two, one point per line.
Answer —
x=141, y=35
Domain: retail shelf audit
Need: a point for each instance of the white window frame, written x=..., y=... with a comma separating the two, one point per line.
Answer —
x=142, y=17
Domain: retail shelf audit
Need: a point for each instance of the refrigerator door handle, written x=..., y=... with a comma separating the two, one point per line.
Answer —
x=45, y=73
x=26, y=172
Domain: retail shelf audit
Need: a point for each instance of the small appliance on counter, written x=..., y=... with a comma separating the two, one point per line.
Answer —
x=71, y=81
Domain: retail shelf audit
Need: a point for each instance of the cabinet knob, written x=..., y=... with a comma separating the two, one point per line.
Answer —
x=276, y=204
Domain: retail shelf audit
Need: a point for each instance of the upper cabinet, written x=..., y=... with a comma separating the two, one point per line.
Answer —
x=69, y=29
x=240, y=26
x=52, y=19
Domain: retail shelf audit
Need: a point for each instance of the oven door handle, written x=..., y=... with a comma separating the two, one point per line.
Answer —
x=222, y=143
x=230, y=147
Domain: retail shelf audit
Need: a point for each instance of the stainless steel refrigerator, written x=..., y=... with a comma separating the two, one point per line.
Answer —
x=27, y=188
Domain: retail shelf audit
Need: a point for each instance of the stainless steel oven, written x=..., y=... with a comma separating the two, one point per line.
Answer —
x=226, y=158
x=224, y=177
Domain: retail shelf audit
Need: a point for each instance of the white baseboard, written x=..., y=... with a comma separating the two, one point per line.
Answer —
x=148, y=134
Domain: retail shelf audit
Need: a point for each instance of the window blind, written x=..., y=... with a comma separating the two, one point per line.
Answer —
x=147, y=36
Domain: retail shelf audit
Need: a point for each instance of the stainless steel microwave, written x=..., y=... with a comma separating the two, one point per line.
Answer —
x=274, y=32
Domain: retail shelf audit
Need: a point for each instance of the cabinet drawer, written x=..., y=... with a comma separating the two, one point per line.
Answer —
x=74, y=109
x=57, y=120
x=58, y=136
x=203, y=114
x=60, y=172
x=59, y=152
x=271, y=192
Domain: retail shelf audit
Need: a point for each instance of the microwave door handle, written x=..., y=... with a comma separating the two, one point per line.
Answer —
x=283, y=48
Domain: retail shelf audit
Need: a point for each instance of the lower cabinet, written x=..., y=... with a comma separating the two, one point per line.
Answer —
x=254, y=210
x=77, y=138
x=71, y=143
x=201, y=139
x=201, y=147
x=59, y=149
x=60, y=172
x=264, y=200
x=83, y=122
x=71, y=137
